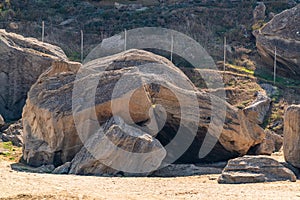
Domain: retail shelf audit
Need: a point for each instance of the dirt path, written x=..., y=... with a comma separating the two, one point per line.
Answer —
x=20, y=185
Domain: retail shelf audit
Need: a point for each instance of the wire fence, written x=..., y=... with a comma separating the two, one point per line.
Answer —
x=57, y=33
x=76, y=41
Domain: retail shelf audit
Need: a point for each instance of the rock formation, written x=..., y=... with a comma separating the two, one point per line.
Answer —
x=22, y=61
x=13, y=133
x=63, y=169
x=2, y=122
x=53, y=137
x=283, y=33
x=258, y=109
x=132, y=86
x=272, y=143
x=291, y=136
x=255, y=169
x=176, y=170
x=259, y=13
x=98, y=157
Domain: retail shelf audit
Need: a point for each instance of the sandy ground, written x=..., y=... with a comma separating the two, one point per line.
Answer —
x=21, y=185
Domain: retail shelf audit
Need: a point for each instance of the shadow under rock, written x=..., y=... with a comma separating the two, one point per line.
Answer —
x=172, y=170
x=292, y=168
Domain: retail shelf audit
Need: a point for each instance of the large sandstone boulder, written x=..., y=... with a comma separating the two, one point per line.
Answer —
x=291, y=137
x=144, y=97
x=255, y=169
x=283, y=33
x=98, y=157
x=22, y=62
x=48, y=137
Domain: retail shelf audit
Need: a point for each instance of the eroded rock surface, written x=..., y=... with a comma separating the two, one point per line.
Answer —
x=272, y=143
x=22, y=60
x=14, y=134
x=258, y=109
x=291, y=135
x=283, y=33
x=255, y=169
x=112, y=151
x=145, y=90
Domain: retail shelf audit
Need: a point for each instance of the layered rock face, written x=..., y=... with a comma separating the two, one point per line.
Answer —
x=283, y=33
x=146, y=91
x=49, y=135
x=291, y=137
x=255, y=169
x=22, y=62
x=93, y=160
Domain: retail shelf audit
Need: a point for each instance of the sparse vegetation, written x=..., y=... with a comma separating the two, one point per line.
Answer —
x=9, y=152
x=240, y=69
x=258, y=25
x=267, y=76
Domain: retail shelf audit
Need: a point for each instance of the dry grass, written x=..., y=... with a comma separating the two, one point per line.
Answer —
x=8, y=152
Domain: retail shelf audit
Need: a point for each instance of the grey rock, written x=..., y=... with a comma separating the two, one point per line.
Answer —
x=14, y=133
x=2, y=122
x=22, y=61
x=128, y=7
x=259, y=12
x=258, y=109
x=241, y=177
x=281, y=32
x=255, y=169
x=175, y=170
x=295, y=170
x=45, y=169
x=272, y=143
x=271, y=15
x=103, y=153
x=13, y=25
x=25, y=168
x=67, y=22
x=63, y=169
x=291, y=135
x=270, y=89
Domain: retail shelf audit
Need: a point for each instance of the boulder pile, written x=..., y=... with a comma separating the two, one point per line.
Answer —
x=140, y=107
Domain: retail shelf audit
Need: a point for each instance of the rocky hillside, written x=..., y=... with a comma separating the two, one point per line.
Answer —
x=158, y=114
x=206, y=21
x=282, y=35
